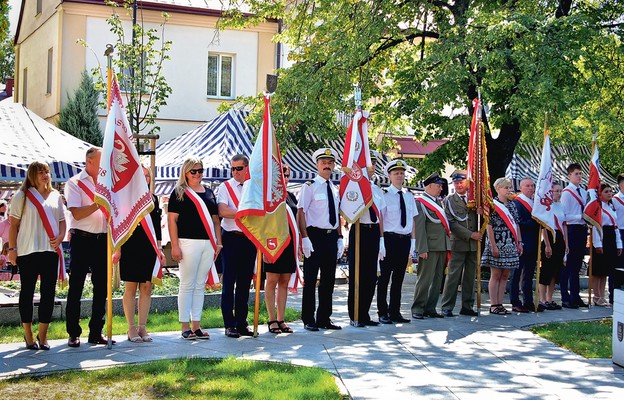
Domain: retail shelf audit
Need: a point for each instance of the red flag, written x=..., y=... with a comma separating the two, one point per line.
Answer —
x=479, y=192
x=593, y=210
x=356, y=194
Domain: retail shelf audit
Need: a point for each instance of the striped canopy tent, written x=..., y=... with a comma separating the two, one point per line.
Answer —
x=26, y=137
x=527, y=158
x=216, y=141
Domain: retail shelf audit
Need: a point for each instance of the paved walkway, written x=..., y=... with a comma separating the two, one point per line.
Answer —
x=450, y=358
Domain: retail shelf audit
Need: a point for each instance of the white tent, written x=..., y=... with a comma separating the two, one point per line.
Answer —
x=26, y=137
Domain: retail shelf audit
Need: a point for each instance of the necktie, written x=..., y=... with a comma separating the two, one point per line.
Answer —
x=463, y=197
x=332, y=205
x=403, y=212
x=373, y=215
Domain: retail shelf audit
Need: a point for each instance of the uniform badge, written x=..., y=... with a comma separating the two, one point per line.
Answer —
x=620, y=330
x=352, y=195
x=272, y=243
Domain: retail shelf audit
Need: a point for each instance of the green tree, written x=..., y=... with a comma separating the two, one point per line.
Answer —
x=421, y=62
x=79, y=117
x=138, y=63
x=7, y=52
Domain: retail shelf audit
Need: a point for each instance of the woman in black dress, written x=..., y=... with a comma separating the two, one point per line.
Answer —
x=136, y=263
x=278, y=274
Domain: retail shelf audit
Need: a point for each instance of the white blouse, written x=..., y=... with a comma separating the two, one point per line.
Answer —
x=609, y=217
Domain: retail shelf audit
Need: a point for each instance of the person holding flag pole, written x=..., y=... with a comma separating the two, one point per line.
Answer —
x=542, y=210
x=592, y=213
x=264, y=217
x=356, y=203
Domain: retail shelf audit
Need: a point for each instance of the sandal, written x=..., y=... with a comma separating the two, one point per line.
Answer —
x=146, y=337
x=136, y=338
x=189, y=335
x=274, y=330
x=201, y=334
x=283, y=327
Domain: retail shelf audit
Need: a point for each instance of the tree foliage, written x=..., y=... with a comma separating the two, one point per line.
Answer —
x=7, y=51
x=79, y=116
x=138, y=64
x=421, y=62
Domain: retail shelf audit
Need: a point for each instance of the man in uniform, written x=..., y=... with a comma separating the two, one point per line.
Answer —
x=88, y=227
x=529, y=229
x=464, y=237
x=372, y=249
x=432, y=238
x=573, y=200
x=318, y=221
x=400, y=242
x=238, y=254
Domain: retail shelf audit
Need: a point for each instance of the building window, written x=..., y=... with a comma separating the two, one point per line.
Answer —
x=220, y=76
x=49, y=79
x=39, y=7
x=25, y=87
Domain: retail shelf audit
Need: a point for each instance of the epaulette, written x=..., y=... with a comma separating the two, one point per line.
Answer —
x=384, y=190
x=309, y=183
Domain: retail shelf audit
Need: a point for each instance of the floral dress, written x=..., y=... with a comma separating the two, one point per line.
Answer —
x=505, y=242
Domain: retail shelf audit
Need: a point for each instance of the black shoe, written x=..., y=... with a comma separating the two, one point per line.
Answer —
x=33, y=346
x=371, y=323
x=531, y=308
x=433, y=314
x=42, y=346
x=540, y=307
x=399, y=319
x=357, y=324
x=448, y=313
x=245, y=331
x=469, y=312
x=329, y=325
x=385, y=320
x=520, y=309
x=100, y=340
x=417, y=316
x=554, y=305
x=565, y=304
x=232, y=333
x=311, y=327
x=73, y=341
x=581, y=304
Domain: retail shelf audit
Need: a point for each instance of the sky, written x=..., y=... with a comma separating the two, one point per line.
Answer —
x=14, y=14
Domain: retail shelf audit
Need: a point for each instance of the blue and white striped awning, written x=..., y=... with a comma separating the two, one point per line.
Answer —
x=218, y=140
x=526, y=160
x=26, y=137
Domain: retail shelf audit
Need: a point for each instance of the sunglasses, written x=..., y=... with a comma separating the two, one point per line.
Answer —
x=196, y=171
x=286, y=176
x=239, y=169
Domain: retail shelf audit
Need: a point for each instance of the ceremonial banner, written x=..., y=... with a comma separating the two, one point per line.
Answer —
x=542, y=202
x=593, y=210
x=356, y=194
x=479, y=192
x=262, y=213
x=121, y=188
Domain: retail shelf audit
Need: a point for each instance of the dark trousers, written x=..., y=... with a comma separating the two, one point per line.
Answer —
x=392, y=267
x=239, y=254
x=87, y=254
x=31, y=266
x=523, y=277
x=323, y=258
x=569, y=278
x=369, y=251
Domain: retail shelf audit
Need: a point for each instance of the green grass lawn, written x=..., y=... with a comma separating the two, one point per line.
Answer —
x=590, y=339
x=161, y=322
x=180, y=379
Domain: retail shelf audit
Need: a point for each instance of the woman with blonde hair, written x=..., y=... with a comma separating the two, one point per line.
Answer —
x=195, y=232
x=503, y=245
x=136, y=265
x=36, y=232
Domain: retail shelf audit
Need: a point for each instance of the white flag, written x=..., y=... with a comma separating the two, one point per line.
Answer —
x=542, y=202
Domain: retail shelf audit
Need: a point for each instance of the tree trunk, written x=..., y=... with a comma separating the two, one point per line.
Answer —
x=501, y=150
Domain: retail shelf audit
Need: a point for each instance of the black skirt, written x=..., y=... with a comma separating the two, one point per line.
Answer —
x=286, y=262
x=551, y=267
x=604, y=264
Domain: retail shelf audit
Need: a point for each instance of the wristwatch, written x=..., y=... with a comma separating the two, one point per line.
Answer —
x=12, y=249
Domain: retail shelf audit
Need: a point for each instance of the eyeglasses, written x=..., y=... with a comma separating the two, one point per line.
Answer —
x=196, y=171
x=239, y=169
x=286, y=176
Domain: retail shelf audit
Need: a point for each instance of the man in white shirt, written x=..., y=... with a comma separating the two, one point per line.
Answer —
x=618, y=203
x=319, y=224
x=87, y=227
x=238, y=254
x=400, y=243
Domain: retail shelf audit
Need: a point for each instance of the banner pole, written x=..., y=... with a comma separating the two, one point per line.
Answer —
x=109, y=288
x=257, y=300
x=538, y=266
x=356, y=298
x=590, y=270
x=479, y=268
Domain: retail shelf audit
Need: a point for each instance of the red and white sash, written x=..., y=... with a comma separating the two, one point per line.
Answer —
x=297, y=277
x=526, y=202
x=616, y=197
x=558, y=224
x=439, y=211
x=52, y=229
x=148, y=226
x=91, y=195
x=608, y=214
x=232, y=193
x=504, y=213
x=576, y=196
x=206, y=219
